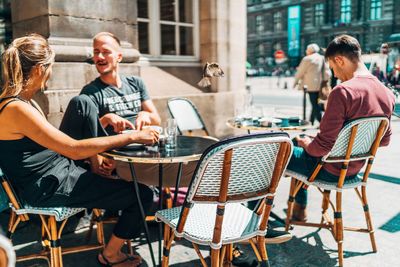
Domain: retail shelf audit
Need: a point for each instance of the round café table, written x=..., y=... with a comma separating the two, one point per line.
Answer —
x=188, y=148
x=249, y=125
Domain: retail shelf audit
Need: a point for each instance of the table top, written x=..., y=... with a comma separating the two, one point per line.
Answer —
x=294, y=125
x=189, y=148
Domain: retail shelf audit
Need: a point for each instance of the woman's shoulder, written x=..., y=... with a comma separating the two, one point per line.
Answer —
x=15, y=110
x=11, y=103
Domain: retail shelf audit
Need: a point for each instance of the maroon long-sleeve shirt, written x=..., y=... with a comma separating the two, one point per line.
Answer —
x=362, y=96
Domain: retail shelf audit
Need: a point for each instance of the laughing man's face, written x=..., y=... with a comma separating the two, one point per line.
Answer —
x=106, y=54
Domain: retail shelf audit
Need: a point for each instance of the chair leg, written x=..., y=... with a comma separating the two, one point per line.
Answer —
x=215, y=257
x=368, y=218
x=129, y=246
x=55, y=246
x=263, y=251
x=229, y=254
x=340, y=252
x=255, y=250
x=222, y=254
x=294, y=188
x=168, y=198
x=45, y=238
x=325, y=203
x=99, y=226
x=12, y=223
x=202, y=260
x=339, y=226
x=168, y=239
x=90, y=231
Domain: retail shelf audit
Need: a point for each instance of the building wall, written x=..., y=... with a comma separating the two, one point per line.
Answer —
x=370, y=33
x=70, y=25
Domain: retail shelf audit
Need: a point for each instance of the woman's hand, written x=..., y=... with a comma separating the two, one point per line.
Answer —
x=147, y=136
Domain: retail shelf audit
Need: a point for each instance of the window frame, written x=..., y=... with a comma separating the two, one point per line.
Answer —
x=259, y=23
x=275, y=21
x=375, y=10
x=319, y=12
x=154, y=38
x=260, y=49
x=345, y=11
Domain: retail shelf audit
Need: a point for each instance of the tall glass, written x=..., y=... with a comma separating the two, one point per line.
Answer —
x=171, y=133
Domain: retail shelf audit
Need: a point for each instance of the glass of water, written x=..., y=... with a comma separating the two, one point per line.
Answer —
x=171, y=133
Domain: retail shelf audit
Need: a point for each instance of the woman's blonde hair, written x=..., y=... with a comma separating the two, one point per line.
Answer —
x=21, y=56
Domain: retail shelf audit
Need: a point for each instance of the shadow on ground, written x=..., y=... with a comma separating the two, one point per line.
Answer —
x=393, y=225
x=301, y=251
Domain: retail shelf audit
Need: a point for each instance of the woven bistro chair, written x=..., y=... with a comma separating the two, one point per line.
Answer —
x=189, y=122
x=187, y=117
x=229, y=173
x=358, y=140
x=53, y=222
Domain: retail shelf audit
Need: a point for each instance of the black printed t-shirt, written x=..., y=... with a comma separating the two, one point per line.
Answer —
x=126, y=101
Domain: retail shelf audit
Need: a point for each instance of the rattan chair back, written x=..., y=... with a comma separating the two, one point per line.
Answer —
x=187, y=117
x=256, y=163
x=365, y=134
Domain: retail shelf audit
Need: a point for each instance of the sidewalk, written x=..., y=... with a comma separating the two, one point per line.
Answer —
x=309, y=246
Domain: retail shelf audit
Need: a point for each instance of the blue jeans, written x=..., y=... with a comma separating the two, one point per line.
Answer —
x=305, y=164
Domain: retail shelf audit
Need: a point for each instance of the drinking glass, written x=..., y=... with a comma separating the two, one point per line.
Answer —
x=171, y=133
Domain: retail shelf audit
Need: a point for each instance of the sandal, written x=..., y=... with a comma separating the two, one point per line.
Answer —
x=132, y=258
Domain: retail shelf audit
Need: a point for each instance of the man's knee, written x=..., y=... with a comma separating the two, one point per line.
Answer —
x=83, y=105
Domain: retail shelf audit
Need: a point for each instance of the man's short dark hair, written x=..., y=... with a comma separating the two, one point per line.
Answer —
x=109, y=34
x=344, y=45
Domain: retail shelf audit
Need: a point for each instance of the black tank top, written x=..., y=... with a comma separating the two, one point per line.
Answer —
x=27, y=163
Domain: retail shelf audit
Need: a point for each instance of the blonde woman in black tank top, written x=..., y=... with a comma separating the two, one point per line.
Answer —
x=40, y=159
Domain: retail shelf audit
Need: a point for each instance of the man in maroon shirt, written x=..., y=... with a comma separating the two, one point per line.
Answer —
x=359, y=95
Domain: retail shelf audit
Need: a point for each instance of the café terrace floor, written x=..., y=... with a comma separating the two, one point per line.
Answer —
x=308, y=247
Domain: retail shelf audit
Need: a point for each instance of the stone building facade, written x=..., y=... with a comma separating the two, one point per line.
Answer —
x=165, y=42
x=370, y=21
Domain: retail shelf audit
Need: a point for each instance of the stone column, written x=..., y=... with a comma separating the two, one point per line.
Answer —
x=69, y=27
x=223, y=39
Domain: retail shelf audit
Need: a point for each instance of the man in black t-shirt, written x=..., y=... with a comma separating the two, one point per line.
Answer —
x=115, y=105
x=108, y=105
x=122, y=102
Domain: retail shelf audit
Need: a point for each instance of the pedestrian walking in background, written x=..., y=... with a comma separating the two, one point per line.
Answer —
x=379, y=66
x=312, y=71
